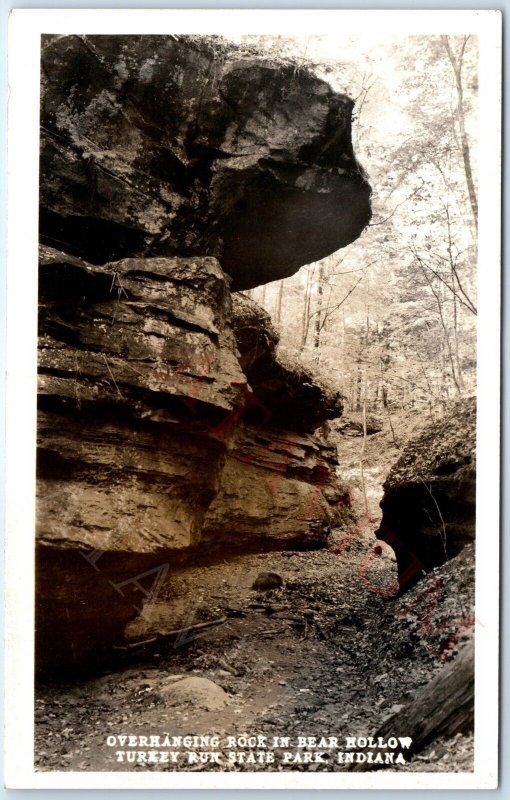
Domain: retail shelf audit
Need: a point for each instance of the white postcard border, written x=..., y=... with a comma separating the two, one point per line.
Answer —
x=26, y=27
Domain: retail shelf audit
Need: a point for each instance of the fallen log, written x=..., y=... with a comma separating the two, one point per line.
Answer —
x=443, y=707
x=158, y=638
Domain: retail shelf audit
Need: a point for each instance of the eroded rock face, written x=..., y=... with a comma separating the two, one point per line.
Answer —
x=126, y=353
x=138, y=379
x=163, y=145
x=291, y=395
x=153, y=449
x=277, y=489
x=430, y=494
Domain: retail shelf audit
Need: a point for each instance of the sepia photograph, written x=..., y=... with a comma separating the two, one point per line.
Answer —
x=255, y=533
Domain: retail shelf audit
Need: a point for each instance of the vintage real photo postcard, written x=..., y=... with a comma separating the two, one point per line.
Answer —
x=253, y=399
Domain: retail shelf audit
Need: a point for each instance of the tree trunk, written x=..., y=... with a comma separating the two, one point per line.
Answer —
x=318, y=314
x=460, y=114
x=363, y=448
x=306, y=309
x=439, y=303
x=456, y=339
x=279, y=298
x=444, y=707
x=359, y=379
x=385, y=402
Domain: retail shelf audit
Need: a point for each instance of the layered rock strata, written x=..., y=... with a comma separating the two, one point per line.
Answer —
x=153, y=448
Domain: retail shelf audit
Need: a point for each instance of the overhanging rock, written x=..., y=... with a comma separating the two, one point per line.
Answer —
x=164, y=145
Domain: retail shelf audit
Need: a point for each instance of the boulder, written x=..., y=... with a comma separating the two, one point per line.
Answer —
x=430, y=494
x=173, y=170
x=353, y=424
x=198, y=692
x=182, y=145
x=266, y=581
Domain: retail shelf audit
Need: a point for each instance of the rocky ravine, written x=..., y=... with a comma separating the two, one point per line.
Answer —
x=178, y=455
x=169, y=430
x=292, y=661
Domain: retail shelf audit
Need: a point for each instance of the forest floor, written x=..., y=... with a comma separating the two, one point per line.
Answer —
x=332, y=652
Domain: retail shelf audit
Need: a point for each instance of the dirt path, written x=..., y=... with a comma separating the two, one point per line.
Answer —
x=329, y=653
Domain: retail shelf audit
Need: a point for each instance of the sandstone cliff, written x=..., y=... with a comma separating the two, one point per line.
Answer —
x=153, y=448
x=173, y=170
